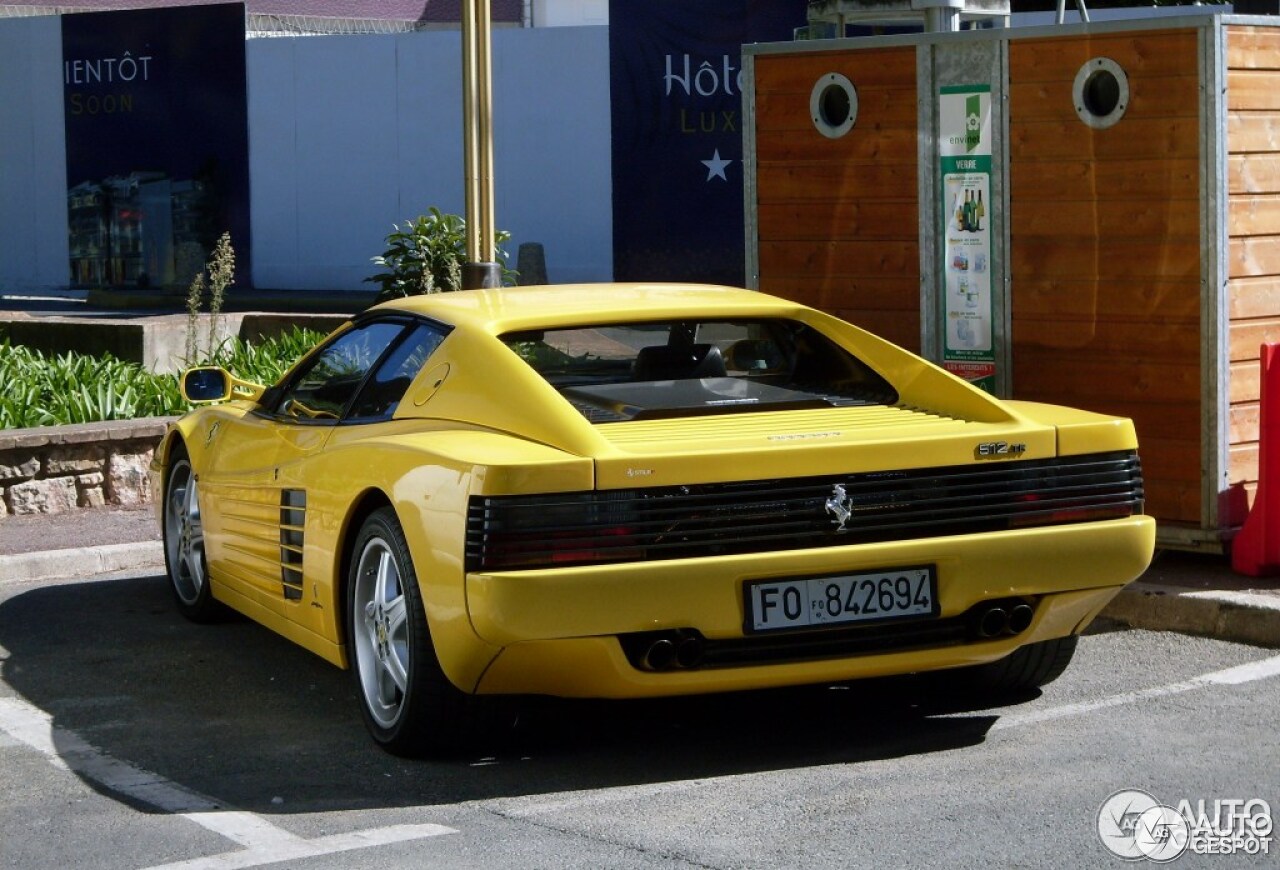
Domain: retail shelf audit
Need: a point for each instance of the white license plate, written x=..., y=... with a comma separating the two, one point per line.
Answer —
x=811, y=602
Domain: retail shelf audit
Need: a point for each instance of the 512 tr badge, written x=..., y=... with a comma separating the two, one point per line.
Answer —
x=999, y=449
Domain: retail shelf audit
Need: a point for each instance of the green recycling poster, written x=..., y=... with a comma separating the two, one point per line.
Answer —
x=964, y=133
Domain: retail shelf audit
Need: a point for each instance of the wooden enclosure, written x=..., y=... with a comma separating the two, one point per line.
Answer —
x=1135, y=260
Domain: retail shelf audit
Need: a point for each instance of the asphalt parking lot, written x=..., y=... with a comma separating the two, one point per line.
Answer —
x=133, y=739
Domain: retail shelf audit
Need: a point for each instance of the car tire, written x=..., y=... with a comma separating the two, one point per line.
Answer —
x=1027, y=668
x=408, y=704
x=183, y=534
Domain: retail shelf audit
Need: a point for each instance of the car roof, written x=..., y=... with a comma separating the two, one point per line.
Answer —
x=510, y=309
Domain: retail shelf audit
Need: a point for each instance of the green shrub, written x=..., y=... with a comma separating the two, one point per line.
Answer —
x=74, y=388
x=53, y=390
x=426, y=256
x=266, y=361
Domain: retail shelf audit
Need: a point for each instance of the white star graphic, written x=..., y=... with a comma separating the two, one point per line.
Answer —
x=715, y=166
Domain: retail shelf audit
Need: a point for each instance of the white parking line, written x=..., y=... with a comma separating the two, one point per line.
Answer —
x=1259, y=670
x=284, y=846
x=263, y=842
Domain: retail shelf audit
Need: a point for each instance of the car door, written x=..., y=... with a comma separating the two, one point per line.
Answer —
x=256, y=486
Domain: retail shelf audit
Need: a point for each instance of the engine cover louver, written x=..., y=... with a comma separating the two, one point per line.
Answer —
x=293, y=512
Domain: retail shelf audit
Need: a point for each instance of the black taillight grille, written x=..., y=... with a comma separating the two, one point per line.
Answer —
x=562, y=529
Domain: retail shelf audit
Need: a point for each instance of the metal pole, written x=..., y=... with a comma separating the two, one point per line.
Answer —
x=470, y=173
x=484, y=88
x=480, y=270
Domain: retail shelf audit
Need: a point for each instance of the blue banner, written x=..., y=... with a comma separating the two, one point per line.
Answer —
x=676, y=92
x=157, y=142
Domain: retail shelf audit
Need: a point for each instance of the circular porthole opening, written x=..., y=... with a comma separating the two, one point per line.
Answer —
x=1101, y=93
x=833, y=105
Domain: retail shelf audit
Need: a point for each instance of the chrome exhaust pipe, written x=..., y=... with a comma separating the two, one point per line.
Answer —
x=993, y=622
x=689, y=652
x=660, y=655
x=1020, y=618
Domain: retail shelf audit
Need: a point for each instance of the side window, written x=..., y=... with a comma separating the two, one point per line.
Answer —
x=324, y=388
x=383, y=392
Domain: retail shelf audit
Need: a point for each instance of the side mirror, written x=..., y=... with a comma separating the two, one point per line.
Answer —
x=212, y=384
x=206, y=385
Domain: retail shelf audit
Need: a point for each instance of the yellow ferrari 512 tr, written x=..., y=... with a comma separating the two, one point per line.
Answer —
x=620, y=491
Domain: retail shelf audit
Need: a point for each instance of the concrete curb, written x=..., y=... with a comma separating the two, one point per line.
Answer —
x=81, y=562
x=1243, y=617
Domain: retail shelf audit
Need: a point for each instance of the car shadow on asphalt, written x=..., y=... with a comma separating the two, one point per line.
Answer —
x=244, y=717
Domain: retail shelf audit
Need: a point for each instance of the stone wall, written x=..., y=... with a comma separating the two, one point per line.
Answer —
x=54, y=469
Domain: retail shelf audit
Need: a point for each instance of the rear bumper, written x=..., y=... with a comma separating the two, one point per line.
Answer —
x=596, y=667
x=559, y=628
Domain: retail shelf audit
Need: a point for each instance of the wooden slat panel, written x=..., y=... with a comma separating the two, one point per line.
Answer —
x=1067, y=138
x=1037, y=221
x=1105, y=260
x=896, y=293
x=1141, y=300
x=1173, y=501
x=1242, y=382
x=1254, y=173
x=839, y=258
x=776, y=182
x=1254, y=297
x=861, y=143
x=1243, y=423
x=1171, y=97
x=1171, y=421
x=1161, y=398
x=1169, y=460
x=1143, y=55
x=1253, y=256
x=892, y=312
x=1116, y=260
x=1171, y=342
x=838, y=220
x=1176, y=421
x=1253, y=215
x=1242, y=462
x=1171, y=473
x=1253, y=48
x=1247, y=336
x=894, y=107
x=797, y=73
x=1057, y=180
x=1075, y=379
x=901, y=328
x=1253, y=131
x=829, y=221
x=1253, y=90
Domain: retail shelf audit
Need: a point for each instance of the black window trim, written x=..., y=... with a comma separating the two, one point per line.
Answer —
x=268, y=404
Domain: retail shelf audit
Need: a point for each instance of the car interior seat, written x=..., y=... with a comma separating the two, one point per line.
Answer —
x=673, y=363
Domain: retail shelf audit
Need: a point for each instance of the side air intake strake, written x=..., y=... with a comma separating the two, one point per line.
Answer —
x=507, y=533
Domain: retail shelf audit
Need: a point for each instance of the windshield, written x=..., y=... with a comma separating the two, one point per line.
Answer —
x=633, y=371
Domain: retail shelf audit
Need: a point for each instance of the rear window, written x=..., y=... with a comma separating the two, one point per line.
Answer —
x=635, y=371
